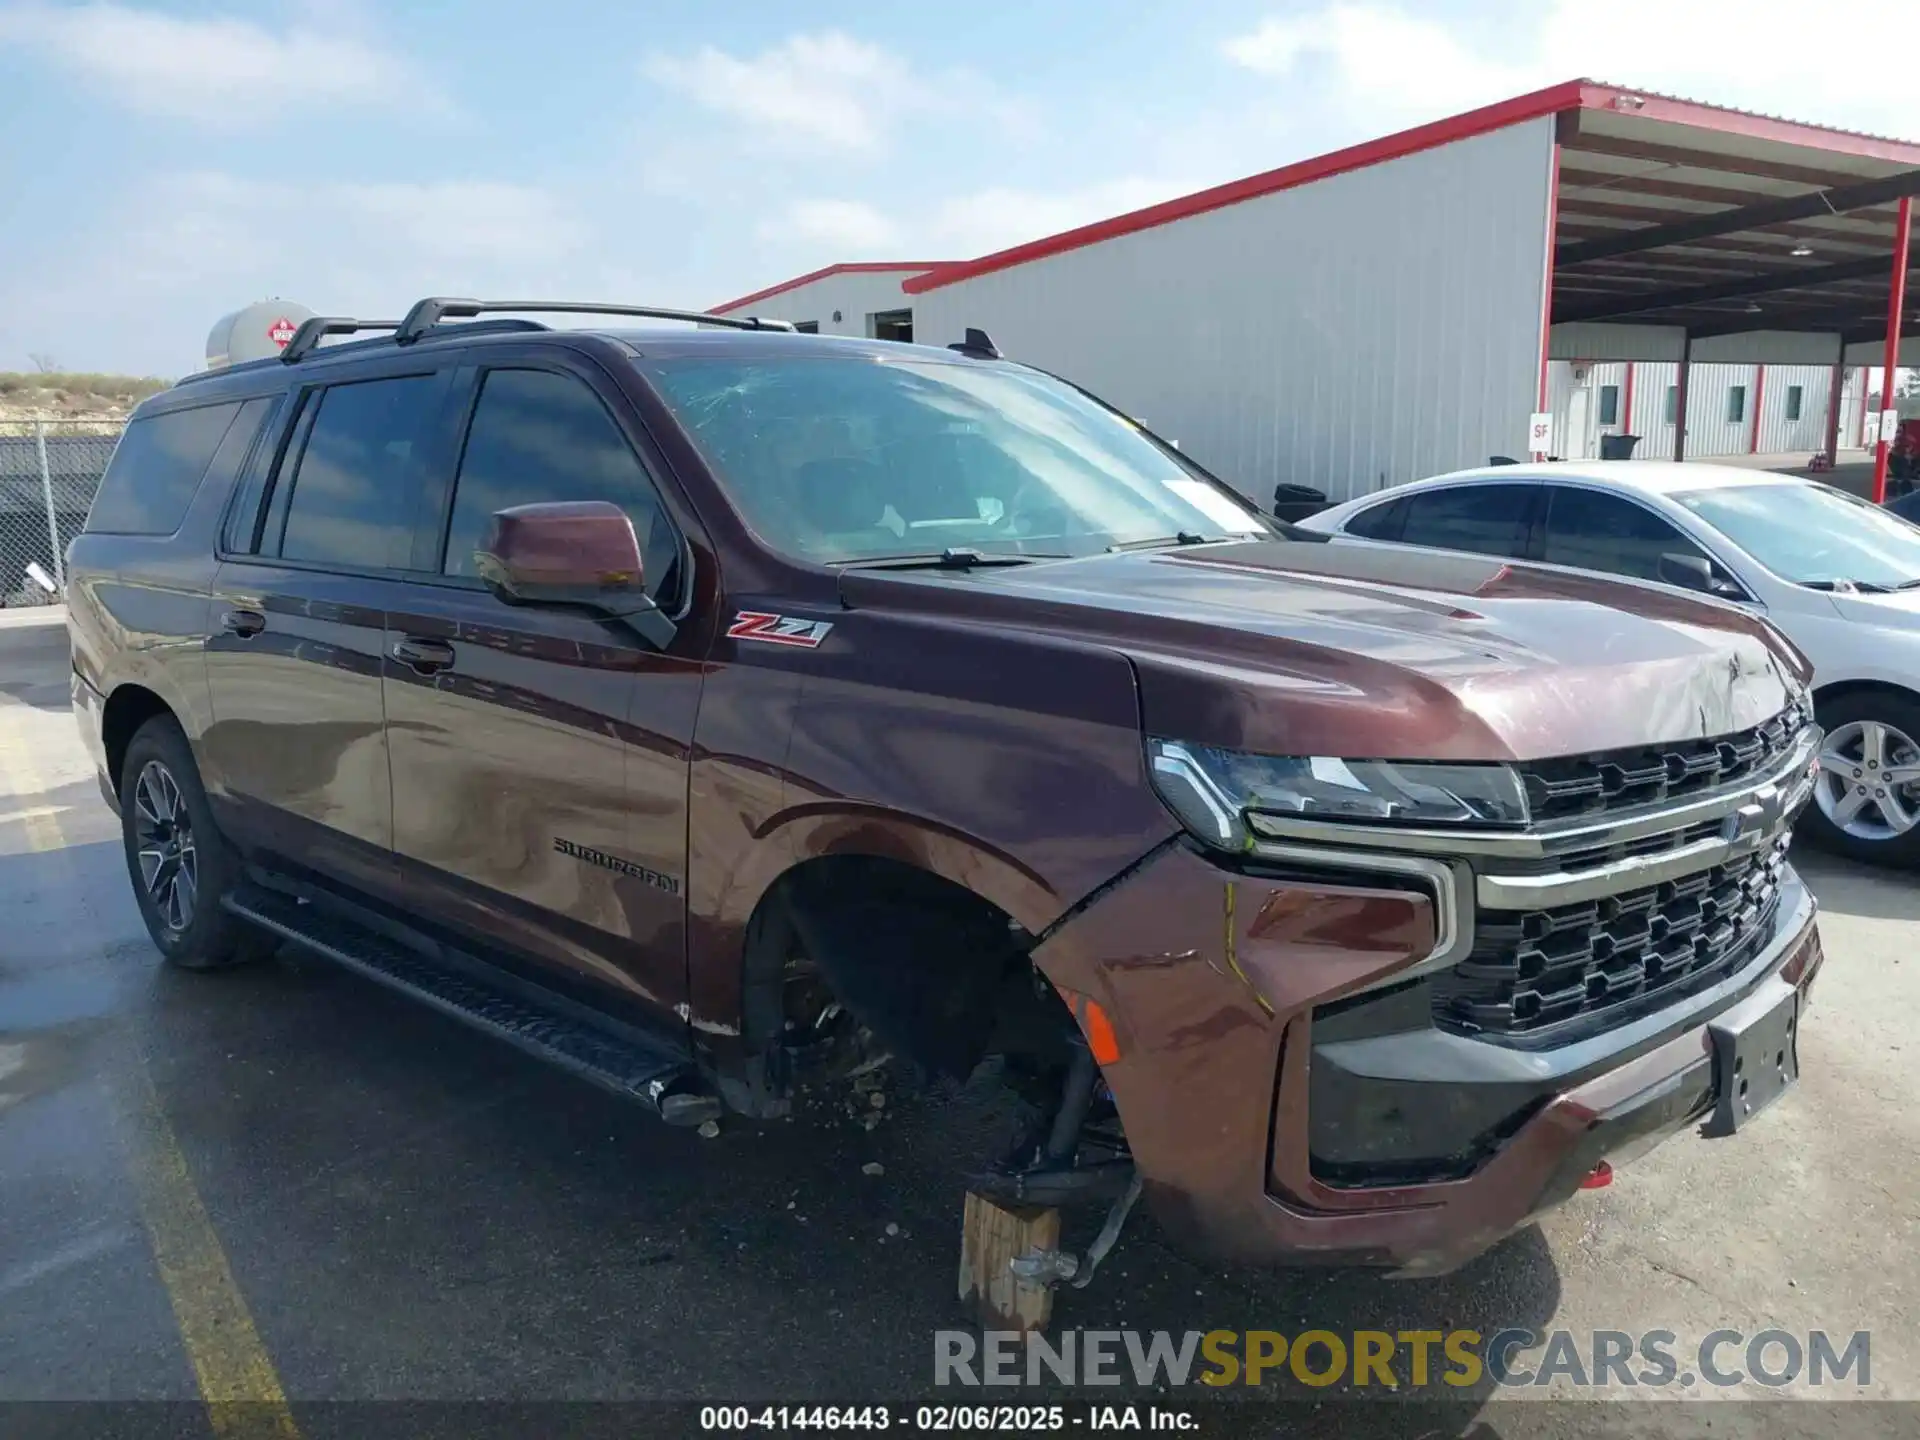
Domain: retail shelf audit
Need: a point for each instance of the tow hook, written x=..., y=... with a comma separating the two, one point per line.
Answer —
x=1053, y=1267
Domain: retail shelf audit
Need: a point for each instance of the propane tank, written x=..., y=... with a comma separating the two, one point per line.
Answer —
x=259, y=332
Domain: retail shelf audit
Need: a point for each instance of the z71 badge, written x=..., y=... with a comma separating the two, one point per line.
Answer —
x=778, y=629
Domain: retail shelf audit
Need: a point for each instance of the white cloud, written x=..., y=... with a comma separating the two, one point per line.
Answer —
x=1382, y=55
x=1378, y=60
x=827, y=90
x=179, y=250
x=214, y=71
x=851, y=229
x=831, y=93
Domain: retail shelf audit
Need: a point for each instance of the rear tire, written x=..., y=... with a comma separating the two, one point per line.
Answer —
x=1866, y=802
x=180, y=864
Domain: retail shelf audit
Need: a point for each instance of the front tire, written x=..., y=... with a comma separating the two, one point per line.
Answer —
x=1867, y=794
x=180, y=864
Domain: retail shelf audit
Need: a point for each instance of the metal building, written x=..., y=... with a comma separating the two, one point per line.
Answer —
x=1395, y=309
x=1731, y=409
x=858, y=299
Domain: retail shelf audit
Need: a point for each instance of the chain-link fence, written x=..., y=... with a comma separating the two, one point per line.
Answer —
x=49, y=470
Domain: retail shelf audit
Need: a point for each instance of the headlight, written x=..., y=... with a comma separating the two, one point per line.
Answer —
x=1213, y=790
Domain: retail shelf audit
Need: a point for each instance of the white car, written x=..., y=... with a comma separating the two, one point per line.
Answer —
x=1839, y=576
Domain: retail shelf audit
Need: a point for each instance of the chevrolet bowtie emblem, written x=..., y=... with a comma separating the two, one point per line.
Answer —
x=1759, y=817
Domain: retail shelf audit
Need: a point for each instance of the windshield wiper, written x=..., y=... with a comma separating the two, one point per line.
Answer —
x=1864, y=587
x=953, y=558
x=1184, y=537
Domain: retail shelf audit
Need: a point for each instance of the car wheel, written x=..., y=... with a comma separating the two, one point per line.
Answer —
x=180, y=864
x=1867, y=794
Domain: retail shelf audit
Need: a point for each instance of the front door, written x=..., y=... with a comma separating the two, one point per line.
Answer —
x=540, y=756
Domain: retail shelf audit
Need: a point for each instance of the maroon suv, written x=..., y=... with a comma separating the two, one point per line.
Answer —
x=708, y=710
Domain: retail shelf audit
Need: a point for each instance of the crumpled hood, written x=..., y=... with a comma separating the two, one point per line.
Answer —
x=1288, y=647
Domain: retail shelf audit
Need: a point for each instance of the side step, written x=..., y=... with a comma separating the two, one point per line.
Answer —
x=547, y=1026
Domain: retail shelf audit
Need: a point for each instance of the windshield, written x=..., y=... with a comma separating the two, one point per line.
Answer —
x=836, y=460
x=1812, y=535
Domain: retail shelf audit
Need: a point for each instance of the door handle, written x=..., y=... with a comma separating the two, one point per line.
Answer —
x=244, y=623
x=423, y=656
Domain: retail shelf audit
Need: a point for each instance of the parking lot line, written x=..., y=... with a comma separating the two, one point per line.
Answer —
x=236, y=1378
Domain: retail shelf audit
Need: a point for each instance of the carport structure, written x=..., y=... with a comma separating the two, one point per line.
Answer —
x=1689, y=233
x=1391, y=310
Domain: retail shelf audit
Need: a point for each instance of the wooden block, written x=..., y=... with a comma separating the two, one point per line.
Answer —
x=990, y=1236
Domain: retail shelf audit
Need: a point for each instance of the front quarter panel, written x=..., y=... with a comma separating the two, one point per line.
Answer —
x=1007, y=761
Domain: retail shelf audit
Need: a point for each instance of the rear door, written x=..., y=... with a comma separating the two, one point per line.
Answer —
x=313, y=551
x=539, y=755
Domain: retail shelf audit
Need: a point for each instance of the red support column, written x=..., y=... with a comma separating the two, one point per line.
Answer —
x=1626, y=403
x=1680, y=395
x=1759, y=399
x=1896, y=302
x=1836, y=392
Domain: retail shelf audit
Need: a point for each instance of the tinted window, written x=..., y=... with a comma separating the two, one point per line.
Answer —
x=1382, y=522
x=234, y=451
x=157, y=468
x=538, y=436
x=1486, y=519
x=1597, y=531
x=353, y=490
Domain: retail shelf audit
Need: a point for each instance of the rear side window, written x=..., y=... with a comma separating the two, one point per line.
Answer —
x=156, y=470
x=1485, y=519
x=1382, y=522
x=538, y=436
x=356, y=479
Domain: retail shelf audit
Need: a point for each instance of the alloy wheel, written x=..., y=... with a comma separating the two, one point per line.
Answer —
x=163, y=835
x=1869, y=785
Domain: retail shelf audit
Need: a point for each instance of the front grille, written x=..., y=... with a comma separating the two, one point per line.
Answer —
x=1648, y=775
x=1530, y=970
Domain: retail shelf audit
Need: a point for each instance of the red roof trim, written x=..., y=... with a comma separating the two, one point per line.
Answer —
x=1355, y=157
x=1570, y=95
x=861, y=267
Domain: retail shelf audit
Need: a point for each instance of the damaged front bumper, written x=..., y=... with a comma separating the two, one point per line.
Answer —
x=1270, y=1042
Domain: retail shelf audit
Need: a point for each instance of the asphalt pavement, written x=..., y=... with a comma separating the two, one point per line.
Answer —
x=284, y=1184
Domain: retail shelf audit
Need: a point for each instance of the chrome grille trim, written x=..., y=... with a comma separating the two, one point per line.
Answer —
x=1494, y=890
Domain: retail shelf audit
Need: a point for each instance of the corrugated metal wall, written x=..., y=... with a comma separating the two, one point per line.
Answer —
x=1709, y=430
x=1359, y=331
x=855, y=295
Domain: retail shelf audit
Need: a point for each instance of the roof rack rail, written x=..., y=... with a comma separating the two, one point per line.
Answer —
x=427, y=313
x=316, y=328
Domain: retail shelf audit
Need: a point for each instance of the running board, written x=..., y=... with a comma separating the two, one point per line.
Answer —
x=546, y=1026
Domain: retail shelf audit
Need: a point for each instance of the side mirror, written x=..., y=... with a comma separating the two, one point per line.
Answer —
x=577, y=553
x=1691, y=572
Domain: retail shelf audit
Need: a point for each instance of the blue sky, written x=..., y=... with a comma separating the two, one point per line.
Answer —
x=166, y=162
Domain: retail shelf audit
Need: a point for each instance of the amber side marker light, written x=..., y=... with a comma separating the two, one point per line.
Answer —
x=1095, y=1024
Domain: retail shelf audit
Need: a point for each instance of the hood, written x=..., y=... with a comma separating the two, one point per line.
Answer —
x=1361, y=650
x=1897, y=610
